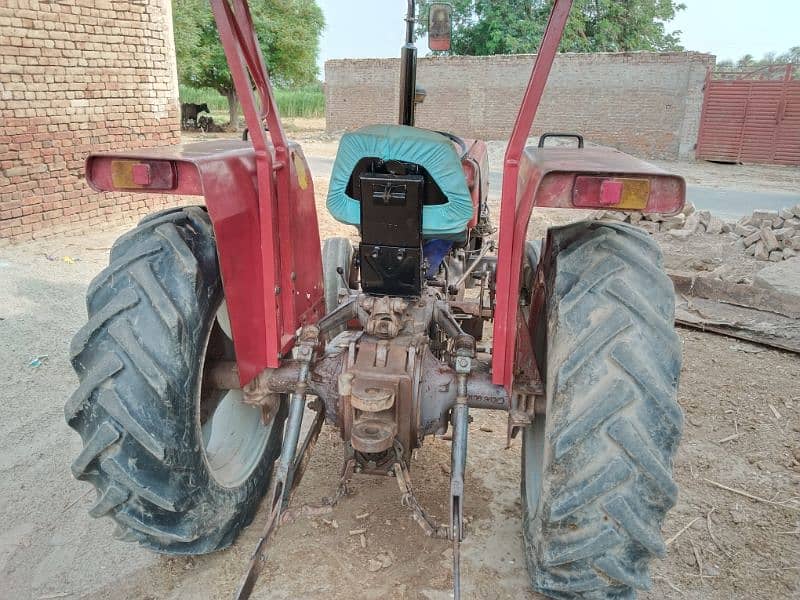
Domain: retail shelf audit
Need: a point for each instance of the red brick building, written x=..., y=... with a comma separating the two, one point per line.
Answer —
x=75, y=76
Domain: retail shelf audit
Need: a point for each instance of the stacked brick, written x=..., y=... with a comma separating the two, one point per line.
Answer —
x=686, y=223
x=79, y=76
x=770, y=235
x=644, y=103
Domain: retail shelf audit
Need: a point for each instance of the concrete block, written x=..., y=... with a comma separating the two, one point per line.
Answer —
x=614, y=215
x=765, y=215
x=760, y=252
x=776, y=255
x=715, y=226
x=676, y=222
x=649, y=226
x=784, y=233
x=705, y=217
x=681, y=234
x=784, y=277
x=789, y=253
x=751, y=250
x=785, y=213
x=749, y=222
x=692, y=222
x=770, y=241
x=688, y=209
x=744, y=230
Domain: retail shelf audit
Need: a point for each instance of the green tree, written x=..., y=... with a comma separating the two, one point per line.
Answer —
x=484, y=27
x=792, y=55
x=288, y=31
x=749, y=63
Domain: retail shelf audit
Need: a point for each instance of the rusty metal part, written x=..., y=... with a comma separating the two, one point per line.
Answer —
x=297, y=470
x=328, y=504
x=370, y=398
x=304, y=454
x=340, y=316
x=458, y=462
x=221, y=375
x=371, y=436
x=291, y=465
x=487, y=247
x=473, y=309
x=392, y=368
x=429, y=525
x=385, y=315
x=522, y=412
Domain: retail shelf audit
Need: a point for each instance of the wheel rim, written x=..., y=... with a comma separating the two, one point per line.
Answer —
x=533, y=461
x=233, y=436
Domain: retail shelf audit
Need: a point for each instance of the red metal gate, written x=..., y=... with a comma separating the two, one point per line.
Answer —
x=751, y=117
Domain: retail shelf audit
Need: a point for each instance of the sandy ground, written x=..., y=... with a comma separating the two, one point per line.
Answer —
x=728, y=545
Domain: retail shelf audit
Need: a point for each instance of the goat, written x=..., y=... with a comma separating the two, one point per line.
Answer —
x=190, y=111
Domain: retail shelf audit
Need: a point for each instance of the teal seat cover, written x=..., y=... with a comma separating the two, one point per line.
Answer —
x=427, y=148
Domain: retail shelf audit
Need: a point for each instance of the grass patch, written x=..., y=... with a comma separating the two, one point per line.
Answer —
x=307, y=101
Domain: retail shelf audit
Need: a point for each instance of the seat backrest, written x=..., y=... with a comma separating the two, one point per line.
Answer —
x=432, y=151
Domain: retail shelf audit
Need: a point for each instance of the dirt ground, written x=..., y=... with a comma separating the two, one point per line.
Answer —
x=742, y=407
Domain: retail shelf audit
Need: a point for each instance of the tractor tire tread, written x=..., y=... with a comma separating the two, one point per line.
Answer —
x=613, y=422
x=132, y=405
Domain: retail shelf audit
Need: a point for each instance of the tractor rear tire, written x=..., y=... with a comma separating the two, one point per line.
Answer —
x=180, y=467
x=337, y=253
x=597, y=469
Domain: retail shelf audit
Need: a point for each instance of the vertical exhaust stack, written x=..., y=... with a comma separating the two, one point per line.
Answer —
x=408, y=69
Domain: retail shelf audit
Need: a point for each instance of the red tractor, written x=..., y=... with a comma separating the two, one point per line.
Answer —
x=214, y=328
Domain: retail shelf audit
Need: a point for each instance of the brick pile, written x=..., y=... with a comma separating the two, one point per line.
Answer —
x=686, y=223
x=770, y=235
x=75, y=77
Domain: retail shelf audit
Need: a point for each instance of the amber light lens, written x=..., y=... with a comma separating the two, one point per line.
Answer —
x=635, y=194
x=142, y=175
x=624, y=193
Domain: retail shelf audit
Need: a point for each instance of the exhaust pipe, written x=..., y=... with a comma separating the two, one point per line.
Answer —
x=408, y=70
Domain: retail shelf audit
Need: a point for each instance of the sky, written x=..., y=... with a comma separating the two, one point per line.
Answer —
x=727, y=28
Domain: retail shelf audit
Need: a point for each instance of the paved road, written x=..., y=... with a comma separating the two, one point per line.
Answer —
x=733, y=204
x=726, y=203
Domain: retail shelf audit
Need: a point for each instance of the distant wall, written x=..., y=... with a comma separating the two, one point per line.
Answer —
x=643, y=103
x=78, y=76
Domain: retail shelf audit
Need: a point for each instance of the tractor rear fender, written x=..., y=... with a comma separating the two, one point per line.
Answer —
x=582, y=178
x=265, y=311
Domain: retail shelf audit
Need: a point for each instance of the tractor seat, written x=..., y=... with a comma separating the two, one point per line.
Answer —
x=448, y=208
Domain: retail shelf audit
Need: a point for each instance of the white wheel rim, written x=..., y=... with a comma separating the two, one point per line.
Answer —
x=233, y=436
x=533, y=448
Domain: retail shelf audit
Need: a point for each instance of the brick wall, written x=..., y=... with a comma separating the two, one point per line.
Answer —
x=643, y=103
x=75, y=76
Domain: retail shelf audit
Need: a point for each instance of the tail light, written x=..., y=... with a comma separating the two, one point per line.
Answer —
x=611, y=192
x=142, y=175
x=113, y=174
